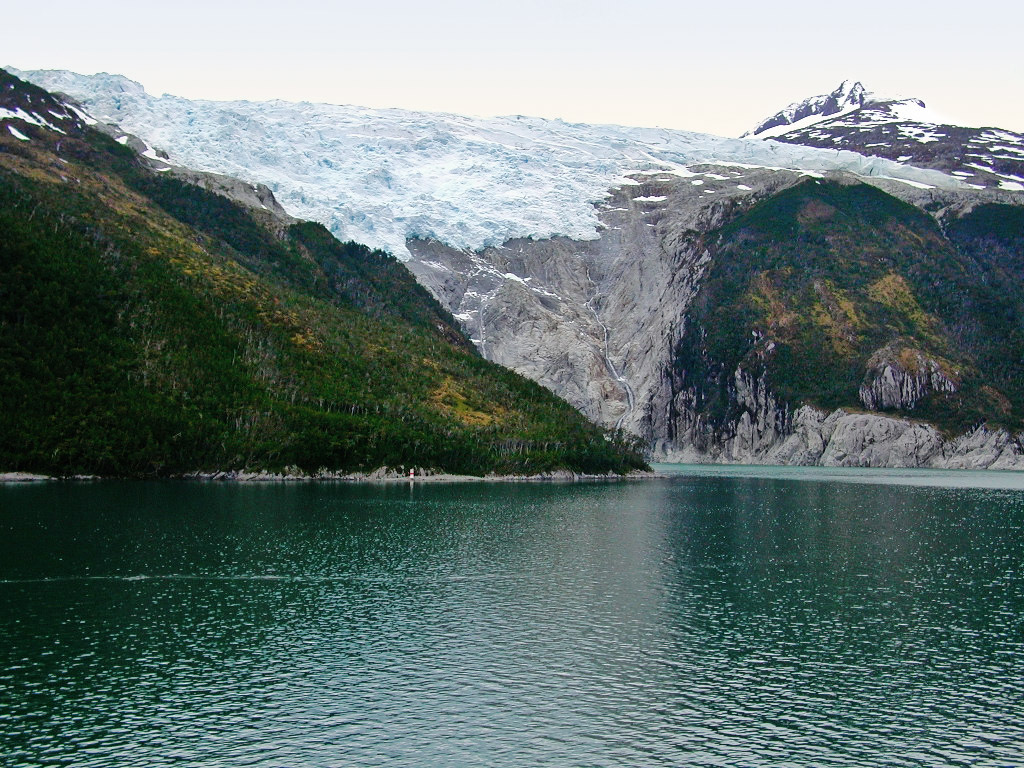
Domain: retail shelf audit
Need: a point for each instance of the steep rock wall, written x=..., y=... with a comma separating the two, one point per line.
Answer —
x=595, y=320
x=600, y=322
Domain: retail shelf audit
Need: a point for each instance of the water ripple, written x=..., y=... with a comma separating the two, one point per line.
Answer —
x=698, y=621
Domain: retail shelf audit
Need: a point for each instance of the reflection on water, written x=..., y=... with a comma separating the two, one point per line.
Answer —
x=696, y=620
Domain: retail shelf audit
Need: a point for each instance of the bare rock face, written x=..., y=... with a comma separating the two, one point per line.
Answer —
x=257, y=197
x=869, y=440
x=595, y=321
x=599, y=322
x=863, y=440
x=842, y=439
x=983, y=449
x=899, y=377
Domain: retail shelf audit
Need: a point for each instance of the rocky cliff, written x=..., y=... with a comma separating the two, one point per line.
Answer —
x=756, y=316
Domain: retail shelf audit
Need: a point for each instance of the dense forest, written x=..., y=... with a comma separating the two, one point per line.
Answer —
x=149, y=327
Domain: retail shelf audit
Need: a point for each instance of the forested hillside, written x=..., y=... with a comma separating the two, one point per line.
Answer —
x=149, y=327
x=824, y=286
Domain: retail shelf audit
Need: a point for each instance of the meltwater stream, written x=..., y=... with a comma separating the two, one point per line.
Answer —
x=785, y=619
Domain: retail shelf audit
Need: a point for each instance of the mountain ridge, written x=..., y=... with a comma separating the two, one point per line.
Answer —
x=849, y=95
x=901, y=129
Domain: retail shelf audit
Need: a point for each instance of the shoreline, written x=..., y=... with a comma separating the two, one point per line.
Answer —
x=380, y=475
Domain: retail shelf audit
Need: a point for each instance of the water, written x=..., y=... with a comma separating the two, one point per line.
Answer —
x=742, y=618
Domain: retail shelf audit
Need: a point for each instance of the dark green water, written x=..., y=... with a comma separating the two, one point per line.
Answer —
x=790, y=619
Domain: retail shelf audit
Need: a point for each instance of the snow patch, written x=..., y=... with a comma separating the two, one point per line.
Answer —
x=28, y=117
x=20, y=114
x=908, y=182
x=920, y=135
x=85, y=118
x=913, y=111
x=18, y=134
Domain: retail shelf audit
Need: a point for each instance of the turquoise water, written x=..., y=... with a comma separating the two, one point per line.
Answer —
x=737, y=617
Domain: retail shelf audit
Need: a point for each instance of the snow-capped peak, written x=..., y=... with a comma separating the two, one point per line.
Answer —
x=850, y=95
x=902, y=129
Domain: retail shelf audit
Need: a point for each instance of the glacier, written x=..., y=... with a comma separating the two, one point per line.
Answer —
x=384, y=176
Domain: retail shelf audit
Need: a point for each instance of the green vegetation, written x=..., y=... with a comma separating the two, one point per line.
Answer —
x=807, y=285
x=149, y=328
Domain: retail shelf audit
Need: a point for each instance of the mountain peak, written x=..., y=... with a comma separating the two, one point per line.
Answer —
x=850, y=95
x=849, y=92
x=902, y=129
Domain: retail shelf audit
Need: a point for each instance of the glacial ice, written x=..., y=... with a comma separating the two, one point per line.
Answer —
x=381, y=176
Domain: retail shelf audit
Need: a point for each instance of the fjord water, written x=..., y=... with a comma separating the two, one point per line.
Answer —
x=716, y=617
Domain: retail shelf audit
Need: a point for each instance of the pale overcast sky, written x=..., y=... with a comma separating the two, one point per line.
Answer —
x=717, y=67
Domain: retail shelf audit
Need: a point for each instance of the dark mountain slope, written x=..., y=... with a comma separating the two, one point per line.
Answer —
x=149, y=327
x=840, y=296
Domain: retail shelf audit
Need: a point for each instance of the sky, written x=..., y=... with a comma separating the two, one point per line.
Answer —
x=716, y=67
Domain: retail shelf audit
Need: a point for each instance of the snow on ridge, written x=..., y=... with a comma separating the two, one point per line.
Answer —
x=382, y=176
x=914, y=111
x=804, y=122
x=28, y=117
x=848, y=97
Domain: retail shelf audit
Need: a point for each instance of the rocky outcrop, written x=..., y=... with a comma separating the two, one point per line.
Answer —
x=864, y=440
x=983, y=448
x=898, y=378
x=844, y=439
x=257, y=197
